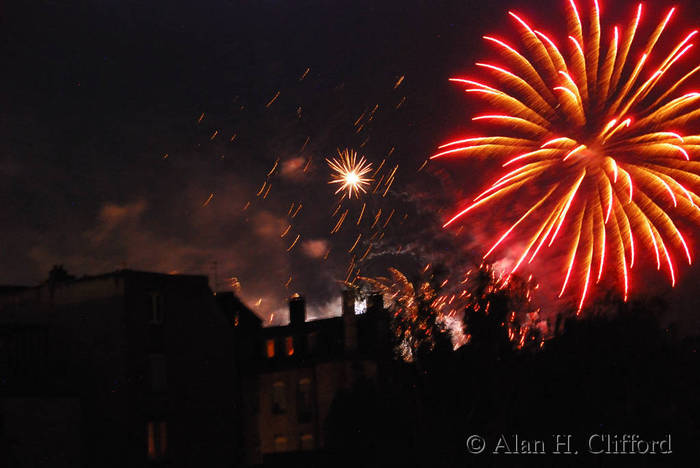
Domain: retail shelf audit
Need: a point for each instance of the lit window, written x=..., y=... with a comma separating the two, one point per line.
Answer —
x=304, y=404
x=279, y=397
x=280, y=443
x=156, y=309
x=157, y=436
x=307, y=442
x=158, y=372
x=270, y=348
x=289, y=345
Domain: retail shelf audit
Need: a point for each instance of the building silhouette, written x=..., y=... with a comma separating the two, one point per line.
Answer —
x=122, y=369
x=135, y=369
x=292, y=373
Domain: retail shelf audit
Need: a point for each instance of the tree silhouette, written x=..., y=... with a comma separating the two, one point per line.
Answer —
x=500, y=312
x=417, y=310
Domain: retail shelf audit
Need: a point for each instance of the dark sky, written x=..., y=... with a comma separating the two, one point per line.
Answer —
x=96, y=93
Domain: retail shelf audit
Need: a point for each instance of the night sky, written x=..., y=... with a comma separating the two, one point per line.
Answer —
x=117, y=129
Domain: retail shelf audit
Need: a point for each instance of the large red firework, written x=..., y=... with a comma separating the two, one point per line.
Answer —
x=603, y=133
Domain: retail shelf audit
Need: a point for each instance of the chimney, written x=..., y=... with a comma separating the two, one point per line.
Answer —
x=349, y=321
x=297, y=310
x=375, y=303
x=348, y=302
x=58, y=274
x=378, y=325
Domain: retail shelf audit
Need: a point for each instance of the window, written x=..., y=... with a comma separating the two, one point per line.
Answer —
x=289, y=345
x=156, y=309
x=311, y=340
x=307, y=441
x=157, y=439
x=304, y=404
x=280, y=443
x=279, y=397
x=158, y=372
x=270, y=348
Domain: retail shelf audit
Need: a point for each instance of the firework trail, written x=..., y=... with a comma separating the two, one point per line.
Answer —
x=599, y=131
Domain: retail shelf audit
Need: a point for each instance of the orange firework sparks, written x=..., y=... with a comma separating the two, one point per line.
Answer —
x=350, y=172
x=599, y=130
x=417, y=307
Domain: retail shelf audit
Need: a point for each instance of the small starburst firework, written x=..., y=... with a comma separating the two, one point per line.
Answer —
x=350, y=172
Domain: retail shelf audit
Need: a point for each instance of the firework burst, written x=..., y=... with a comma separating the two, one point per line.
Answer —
x=350, y=173
x=600, y=127
x=418, y=311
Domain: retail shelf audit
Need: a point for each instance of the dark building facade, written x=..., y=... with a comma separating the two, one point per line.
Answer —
x=295, y=371
x=123, y=369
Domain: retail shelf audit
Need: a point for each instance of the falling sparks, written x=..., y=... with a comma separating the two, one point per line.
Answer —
x=364, y=255
x=340, y=222
x=289, y=249
x=284, y=233
x=388, y=218
x=379, y=184
x=605, y=143
x=355, y=244
x=274, y=166
x=274, y=98
x=379, y=168
x=262, y=189
x=306, y=142
x=388, y=186
x=359, y=218
x=376, y=218
x=211, y=195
